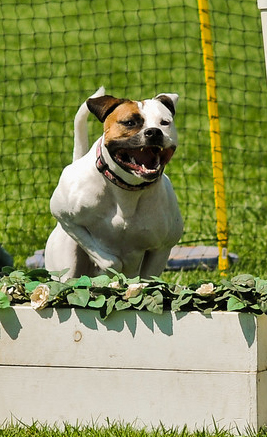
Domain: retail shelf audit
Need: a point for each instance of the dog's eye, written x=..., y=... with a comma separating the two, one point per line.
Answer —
x=165, y=122
x=129, y=123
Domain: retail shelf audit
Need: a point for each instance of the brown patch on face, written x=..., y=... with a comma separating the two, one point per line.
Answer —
x=137, y=151
x=124, y=122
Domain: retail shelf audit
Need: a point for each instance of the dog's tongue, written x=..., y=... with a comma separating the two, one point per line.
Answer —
x=151, y=157
x=147, y=157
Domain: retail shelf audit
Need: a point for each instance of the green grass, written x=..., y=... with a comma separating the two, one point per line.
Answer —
x=54, y=54
x=209, y=275
x=114, y=429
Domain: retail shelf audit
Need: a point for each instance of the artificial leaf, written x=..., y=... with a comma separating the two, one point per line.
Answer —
x=122, y=305
x=154, y=302
x=177, y=289
x=136, y=300
x=98, y=302
x=60, y=273
x=227, y=284
x=4, y=301
x=202, y=300
x=235, y=304
x=135, y=280
x=110, y=304
x=187, y=291
x=255, y=307
x=55, y=289
x=176, y=305
x=38, y=273
x=185, y=299
x=244, y=279
x=100, y=281
x=208, y=311
x=7, y=270
x=71, y=282
x=223, y=296
x=17, y=276
x=263, y=306
x=30, y=286
x=157, y=279
x=261, y=286
x=79, y=297
x=83, y=281
x=115, y=273
x=118, y=276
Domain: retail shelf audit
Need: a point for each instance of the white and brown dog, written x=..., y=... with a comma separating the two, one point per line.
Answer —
x=115, y=207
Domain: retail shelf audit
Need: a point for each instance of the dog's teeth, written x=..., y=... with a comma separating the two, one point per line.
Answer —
x=157, y=162
x=142, y=149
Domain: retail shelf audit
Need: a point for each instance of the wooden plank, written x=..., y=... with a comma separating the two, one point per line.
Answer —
x=146, y=396
x=79, y=338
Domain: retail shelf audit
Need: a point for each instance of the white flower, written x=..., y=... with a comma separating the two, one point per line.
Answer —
x=40, y=296
x=206, y=289
x=115, y=284
x=134, y=290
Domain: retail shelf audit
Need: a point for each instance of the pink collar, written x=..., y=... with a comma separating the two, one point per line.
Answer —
x=103, y=168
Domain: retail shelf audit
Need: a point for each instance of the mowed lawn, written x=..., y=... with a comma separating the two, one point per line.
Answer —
x=54, y=54
x=114, y=429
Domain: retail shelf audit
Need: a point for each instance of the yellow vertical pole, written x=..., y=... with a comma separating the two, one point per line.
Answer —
x=217, y=164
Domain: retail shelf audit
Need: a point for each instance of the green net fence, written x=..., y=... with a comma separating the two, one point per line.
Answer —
x=54, y=54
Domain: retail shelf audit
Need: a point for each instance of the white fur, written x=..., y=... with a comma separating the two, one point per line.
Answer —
x=103, y=226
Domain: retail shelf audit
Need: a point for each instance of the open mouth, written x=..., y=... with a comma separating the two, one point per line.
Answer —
x=147, y=162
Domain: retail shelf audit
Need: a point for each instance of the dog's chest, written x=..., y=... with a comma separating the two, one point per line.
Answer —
x=127, y=225
x=132, y=225
x=120, y=219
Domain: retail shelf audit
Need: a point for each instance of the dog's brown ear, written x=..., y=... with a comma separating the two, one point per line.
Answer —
x=169, y=100
x=101, y=107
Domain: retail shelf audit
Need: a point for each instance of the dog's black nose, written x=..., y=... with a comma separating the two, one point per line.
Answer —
x=153, y=133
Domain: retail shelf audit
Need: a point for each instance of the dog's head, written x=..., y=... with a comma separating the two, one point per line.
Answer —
x=140, y=136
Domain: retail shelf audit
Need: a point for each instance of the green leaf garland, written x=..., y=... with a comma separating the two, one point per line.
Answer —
x=242, y=293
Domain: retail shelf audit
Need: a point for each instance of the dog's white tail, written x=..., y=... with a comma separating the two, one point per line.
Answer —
x=80, y=127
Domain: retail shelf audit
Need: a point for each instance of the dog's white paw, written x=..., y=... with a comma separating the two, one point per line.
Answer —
x=112, y=263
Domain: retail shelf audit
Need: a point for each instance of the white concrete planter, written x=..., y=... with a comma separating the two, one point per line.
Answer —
x=68, y=365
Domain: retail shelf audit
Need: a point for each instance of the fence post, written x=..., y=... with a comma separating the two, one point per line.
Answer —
x=262, y=5
x=215, y=137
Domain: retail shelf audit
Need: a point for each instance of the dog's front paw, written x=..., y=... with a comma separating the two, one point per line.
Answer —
x=110, y=263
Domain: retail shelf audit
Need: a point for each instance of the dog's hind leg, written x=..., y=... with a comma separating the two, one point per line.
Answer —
x=80, y=127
